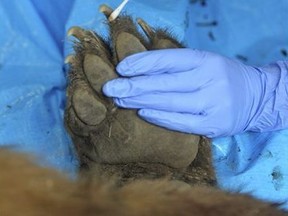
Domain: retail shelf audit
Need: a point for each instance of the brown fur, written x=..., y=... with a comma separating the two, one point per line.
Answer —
x=26, y=189
x=116, y=141
x=105, y=148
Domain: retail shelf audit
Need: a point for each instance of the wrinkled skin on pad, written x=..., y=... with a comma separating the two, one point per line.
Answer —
x=116, y=140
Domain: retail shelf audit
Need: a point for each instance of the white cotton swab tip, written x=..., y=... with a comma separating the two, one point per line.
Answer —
x=117, y=11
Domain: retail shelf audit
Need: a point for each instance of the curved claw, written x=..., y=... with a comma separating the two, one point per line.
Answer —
x=146, y=28
x=106, y=10
x=109, y=13
x=77, y=32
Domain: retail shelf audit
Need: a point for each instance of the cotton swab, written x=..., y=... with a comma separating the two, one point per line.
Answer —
x=117, y=11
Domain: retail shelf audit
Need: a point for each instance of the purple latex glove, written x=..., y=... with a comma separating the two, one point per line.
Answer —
x=202, y=93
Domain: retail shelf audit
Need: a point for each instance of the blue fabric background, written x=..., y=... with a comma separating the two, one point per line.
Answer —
x=33, y=78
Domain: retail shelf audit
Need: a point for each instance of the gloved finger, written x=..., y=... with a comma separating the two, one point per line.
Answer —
x=160, y=61
x=172, y=102
x=176, y=82
x=182, y=122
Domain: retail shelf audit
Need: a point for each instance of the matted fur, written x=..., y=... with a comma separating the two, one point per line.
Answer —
x=28, y=190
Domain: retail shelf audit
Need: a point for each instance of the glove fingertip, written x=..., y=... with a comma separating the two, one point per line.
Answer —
x=124, y=69
x=107, y=89
x=117, y=88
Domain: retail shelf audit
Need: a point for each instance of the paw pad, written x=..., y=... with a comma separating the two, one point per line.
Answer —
x=102, y=133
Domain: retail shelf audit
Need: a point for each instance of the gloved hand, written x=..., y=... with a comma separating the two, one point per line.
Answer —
x=202, y=93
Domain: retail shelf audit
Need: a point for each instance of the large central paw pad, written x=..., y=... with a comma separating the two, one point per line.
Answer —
x=103, y=133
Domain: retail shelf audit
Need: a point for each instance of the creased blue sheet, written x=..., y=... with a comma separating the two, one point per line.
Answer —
x=255, y=32
x=32, y=81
